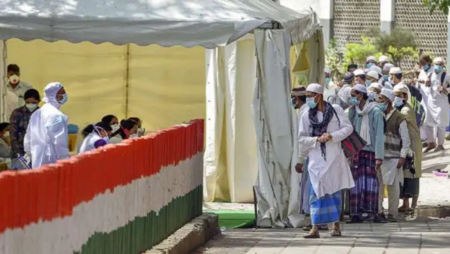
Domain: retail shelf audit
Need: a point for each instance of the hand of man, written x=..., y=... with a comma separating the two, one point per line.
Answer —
x=400, y=162
x=299, y=168
x=378, y=163
x=325, y=138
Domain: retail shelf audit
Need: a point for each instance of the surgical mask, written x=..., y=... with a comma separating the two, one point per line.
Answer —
x=438, y=69
x=368, y=82
x=106, y=139
x=64, y=99
x=353, y=101
x=382, y=106
x=31, y=106
x=115, y=127
x=14, y=79
x=368, y=65
x=386, y=77
x=293, y=103
x=311, y=103
x=426, y=67
x=373, y=96
x=398, y=102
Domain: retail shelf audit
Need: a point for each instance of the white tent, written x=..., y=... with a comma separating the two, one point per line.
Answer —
x=207, y=23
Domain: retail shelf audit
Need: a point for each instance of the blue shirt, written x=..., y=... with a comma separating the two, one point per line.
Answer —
x=376, y=123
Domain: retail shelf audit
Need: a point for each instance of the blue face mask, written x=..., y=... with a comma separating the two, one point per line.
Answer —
x=368, y=82
x=426, y=67
x=311, y=103
x=386, y=77
x=294, y=104
x=64, y=99
x=106, y=139
x=353, y=101
x=438, y=69
x=398, y=102
x=368, y=65
x=382, y=106
x=373, y=96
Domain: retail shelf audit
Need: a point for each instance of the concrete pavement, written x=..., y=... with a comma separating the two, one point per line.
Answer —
x=423, y=236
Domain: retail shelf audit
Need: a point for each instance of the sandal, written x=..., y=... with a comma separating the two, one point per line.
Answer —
x=312, y=235
x=336, y=232
x=405, y=210
x=321, y=228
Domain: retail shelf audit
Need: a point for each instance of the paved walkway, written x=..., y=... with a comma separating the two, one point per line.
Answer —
x=424, y=236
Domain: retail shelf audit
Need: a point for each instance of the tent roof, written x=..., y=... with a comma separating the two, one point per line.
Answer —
x=207, y=23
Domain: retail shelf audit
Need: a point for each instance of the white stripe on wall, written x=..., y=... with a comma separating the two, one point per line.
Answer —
x=106, y=212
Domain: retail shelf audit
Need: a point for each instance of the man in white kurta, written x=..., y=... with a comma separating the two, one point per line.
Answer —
x=396, y=148
x=435, y=90
x=322, y=128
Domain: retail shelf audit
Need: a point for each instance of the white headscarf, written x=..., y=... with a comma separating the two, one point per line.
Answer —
x=50, y=91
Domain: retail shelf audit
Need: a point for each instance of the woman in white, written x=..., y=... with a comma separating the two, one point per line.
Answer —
x=321, y=130
x=434, y=85
x=95, y=136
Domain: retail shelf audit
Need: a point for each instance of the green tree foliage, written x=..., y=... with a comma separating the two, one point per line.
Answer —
x=398, y=45
x=434, y=5
x=358, y=52
x=334, y=59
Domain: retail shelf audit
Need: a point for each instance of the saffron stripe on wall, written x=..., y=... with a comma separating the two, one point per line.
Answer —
x=42, y=196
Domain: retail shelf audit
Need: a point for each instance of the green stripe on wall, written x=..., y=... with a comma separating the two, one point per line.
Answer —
x=143, y=233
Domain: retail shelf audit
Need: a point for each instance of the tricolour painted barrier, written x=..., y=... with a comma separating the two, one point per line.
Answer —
x=120, y=199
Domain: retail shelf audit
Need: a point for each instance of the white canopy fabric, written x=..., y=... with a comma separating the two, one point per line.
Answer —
x=207, y=23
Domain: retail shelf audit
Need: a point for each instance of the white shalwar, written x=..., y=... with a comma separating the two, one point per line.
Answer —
x=437, y=107
x=47, y=137
x=333, y=174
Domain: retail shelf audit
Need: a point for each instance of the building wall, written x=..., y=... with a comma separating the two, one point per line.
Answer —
x=353, y=18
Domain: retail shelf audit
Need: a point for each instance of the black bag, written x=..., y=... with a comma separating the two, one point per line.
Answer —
x=353, y=144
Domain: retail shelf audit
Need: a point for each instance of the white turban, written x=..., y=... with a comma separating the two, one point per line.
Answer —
x=373, y=74
x=377, y=69
x=371, y=58
x=387, y=67
x=395, y=70
x=438, y=60
x=360, y=88
x=315, y=88
x=383, y=59
x=375, y=85
x=358, y=72
x=388, y=93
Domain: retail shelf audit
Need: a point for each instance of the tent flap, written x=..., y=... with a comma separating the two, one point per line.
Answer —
x=207, y=23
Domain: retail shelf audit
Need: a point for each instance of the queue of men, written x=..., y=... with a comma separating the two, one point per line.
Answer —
x=394, y=116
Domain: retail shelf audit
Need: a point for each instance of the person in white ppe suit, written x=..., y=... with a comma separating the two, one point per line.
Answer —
x=47, y=137
x=435, y=97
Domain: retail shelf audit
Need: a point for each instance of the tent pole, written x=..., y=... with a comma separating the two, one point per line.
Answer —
x=3, y=82
x=127, y=79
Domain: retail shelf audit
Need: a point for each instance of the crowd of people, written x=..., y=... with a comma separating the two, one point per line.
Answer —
x=395, y=116
x=37, y=136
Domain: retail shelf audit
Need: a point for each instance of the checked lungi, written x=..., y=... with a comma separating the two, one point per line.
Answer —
x=364, y=196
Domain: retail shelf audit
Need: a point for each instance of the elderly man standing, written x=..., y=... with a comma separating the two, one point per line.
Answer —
x=321, y=130
x=368, y=121
x=396, y=148
x=413, y=165
x=436, y=102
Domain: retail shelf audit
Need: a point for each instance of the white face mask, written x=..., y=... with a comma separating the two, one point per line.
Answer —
x=115, y=127
x=14, y=79
x=31, y=106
